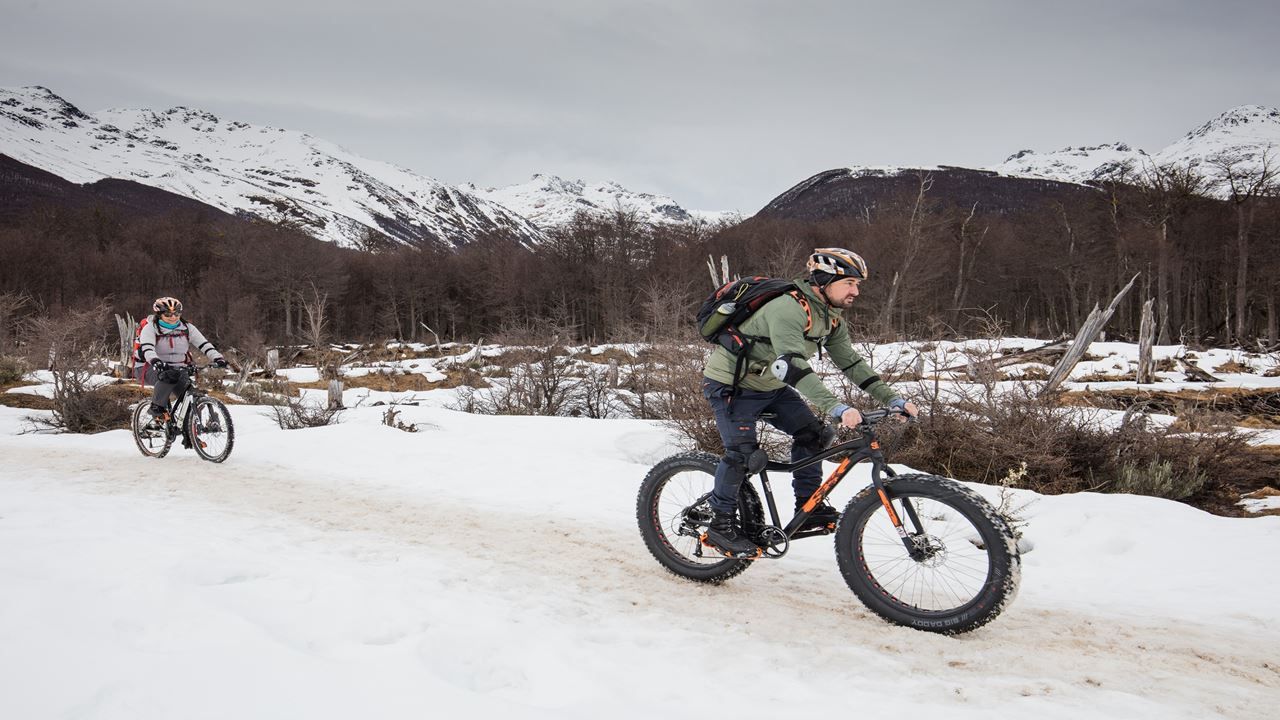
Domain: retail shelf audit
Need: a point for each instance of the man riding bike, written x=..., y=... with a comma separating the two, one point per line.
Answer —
x=788, y=330
x=164, y=348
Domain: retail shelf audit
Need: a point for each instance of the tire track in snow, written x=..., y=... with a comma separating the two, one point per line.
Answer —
x=574, y=569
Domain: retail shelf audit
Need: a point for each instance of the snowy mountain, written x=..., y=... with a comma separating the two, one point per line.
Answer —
x=549, y=201
x=1242, y=134
x=277, y=174
x=1073, y=164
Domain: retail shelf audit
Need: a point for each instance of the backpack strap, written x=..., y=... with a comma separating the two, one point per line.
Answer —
x=808, y=314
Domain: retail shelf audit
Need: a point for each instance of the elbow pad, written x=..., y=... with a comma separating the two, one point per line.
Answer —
x=786, y=370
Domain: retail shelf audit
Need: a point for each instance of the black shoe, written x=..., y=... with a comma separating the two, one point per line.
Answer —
x=823, y=516
x=157, y=418
x=725, y=537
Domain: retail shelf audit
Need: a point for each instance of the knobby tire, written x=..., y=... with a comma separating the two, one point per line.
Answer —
x=149, y=445
x=202, y=411
x=672, y=485
x=968, y=580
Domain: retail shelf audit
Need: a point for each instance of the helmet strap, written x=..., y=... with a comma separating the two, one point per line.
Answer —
x=822, y=289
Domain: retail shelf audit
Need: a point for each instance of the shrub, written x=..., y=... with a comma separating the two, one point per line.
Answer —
x=295, y=413
x=391, y=418
x=12, y=370
x=73, y=344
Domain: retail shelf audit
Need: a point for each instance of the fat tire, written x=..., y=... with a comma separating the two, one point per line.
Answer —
x=135, y=427
x=653, y=527
x=194, y=413
x=1004, y=563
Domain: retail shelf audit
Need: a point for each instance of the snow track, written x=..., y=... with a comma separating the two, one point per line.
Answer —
x=792, y=635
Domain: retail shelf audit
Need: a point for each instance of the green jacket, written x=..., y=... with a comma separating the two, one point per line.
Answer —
x=781, y=323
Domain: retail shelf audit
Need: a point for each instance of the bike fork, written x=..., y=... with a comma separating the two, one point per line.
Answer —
x=898, y=525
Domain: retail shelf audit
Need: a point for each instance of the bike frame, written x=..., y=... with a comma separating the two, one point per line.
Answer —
x=865, y=447
x=189, y=396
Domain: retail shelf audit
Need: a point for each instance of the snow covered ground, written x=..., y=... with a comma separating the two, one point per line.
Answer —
x=491, y=566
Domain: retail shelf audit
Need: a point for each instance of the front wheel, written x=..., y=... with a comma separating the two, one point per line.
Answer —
x=963, y=567
x=673, y=513
x=210, y=430
x=152, y=443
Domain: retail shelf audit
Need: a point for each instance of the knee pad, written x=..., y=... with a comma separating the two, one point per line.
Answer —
x=749, y=457
x=815, y=437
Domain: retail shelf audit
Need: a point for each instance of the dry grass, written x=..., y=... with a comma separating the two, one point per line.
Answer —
x=25, y=401
x=1035, y=372
x=1103, y=377
x=1233, y=366
x=1261, y=494
x=382, y=353
x=403, y=382
x=621, y=356
x=1250, y=407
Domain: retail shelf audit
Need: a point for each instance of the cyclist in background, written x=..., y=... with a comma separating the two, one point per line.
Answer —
x=164, y=348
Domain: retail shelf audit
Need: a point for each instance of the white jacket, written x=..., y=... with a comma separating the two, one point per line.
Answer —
x=173, y=346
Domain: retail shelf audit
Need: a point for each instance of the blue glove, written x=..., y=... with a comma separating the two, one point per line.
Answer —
x=898, y=404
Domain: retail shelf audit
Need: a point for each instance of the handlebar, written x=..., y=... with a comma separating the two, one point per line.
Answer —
x=873, y=417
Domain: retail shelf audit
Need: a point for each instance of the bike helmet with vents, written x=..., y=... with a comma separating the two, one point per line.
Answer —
x=837, y=262
x=167, y=305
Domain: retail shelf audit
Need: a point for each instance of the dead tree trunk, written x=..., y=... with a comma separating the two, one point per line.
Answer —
x=1146, y=338
x=128, y=329
x=723, y=278
x=1088, y=331
x=1162, y=280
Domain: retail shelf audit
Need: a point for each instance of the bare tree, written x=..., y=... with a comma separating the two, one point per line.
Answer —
x=10, y=304
x=1245, y=181
x=969, y=241
x=314, y=305
x=667, y=308
x=1168, y=189
x=73, y=345
x=913, y=241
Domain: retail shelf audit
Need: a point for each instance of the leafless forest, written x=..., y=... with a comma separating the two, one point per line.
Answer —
x=939, y=268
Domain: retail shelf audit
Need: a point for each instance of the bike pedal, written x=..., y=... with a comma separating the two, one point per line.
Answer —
x=759, y=553
x=814, y=532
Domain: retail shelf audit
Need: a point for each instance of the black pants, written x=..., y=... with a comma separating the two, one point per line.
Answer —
x=736, y=418
x=175, y=383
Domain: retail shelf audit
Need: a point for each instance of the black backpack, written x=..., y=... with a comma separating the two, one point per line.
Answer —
x=728, y=307
x=724, y=311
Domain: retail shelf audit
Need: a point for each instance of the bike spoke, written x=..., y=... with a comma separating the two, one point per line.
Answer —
x=949, y=573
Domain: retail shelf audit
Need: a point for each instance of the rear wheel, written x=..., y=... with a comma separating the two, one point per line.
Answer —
x=673, y=512
x=152, y=443
x=210, y=430
x=962, y=571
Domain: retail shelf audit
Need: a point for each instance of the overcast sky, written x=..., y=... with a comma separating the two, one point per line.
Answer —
x=720, y=104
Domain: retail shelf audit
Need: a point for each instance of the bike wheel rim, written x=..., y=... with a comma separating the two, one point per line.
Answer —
x=151, y=441
x=680, y=491
x=947, y=582
x=210, y=427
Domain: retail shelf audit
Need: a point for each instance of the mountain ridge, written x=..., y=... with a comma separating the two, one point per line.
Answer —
x=1244, y=135
x=285, y=176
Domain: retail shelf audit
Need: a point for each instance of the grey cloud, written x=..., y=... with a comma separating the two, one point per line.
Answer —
x=719, y=104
